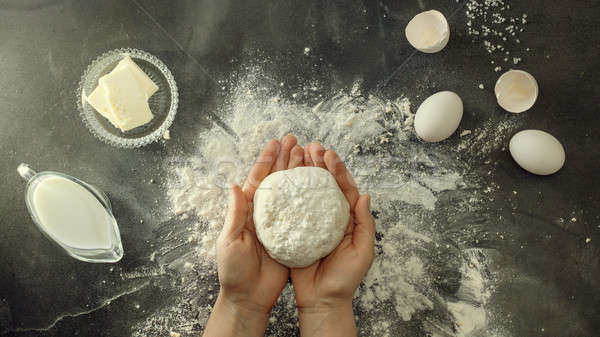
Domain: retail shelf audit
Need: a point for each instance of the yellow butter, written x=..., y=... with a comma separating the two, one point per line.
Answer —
x=144, y=80
x=126, y=98
x=122, y=95
x=97, y=99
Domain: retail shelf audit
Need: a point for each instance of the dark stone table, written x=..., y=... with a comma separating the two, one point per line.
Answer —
x=45, y=45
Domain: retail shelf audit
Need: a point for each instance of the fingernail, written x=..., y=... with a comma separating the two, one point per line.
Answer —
x=289, y=137
x=368, y=202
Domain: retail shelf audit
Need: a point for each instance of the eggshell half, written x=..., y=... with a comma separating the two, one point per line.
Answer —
x=428, y=32
x=516, y=91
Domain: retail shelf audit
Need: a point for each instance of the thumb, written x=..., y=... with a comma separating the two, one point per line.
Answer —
x=364, y=230
x=237, y=213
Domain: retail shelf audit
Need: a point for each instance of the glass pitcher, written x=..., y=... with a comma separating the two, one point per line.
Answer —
x=73, y=214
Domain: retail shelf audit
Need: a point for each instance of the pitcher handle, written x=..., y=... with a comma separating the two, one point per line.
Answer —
x=26, y=172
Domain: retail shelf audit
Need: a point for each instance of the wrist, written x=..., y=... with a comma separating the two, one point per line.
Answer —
x=242, y=307
x=234, y=317
x=327, y=318
x=325, y=306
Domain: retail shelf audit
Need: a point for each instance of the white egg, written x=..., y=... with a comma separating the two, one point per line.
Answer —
x=438, y=116
x=537, y=152
x=516, y=91
x=428, y=31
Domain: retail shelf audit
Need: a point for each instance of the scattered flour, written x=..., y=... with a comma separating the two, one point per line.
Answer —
x=421, y=281
x=397, y=280
x=497, y=26
x=469, y=309
x=492, y=136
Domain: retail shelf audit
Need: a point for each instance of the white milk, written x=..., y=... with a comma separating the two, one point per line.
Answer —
x=71, y=214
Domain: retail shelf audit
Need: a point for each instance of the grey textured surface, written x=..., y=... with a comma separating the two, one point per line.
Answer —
x=45, y=45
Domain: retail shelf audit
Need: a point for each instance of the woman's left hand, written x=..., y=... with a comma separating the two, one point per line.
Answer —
x=250, y=279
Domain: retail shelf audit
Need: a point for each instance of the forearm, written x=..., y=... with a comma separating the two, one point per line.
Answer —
x=327, y=321
x=229, y=319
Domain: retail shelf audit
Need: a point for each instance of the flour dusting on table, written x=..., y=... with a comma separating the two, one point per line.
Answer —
x=423, y=280
x=498, y=27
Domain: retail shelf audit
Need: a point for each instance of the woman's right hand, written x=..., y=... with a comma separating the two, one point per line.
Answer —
x=324, y=290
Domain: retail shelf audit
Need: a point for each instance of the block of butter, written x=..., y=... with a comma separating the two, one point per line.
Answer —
x=122, y=96
x=145, y=82
x=98, y=101
x=126, y=99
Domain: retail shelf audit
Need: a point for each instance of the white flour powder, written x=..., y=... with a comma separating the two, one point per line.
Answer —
x=424, y=278
x=497, y=26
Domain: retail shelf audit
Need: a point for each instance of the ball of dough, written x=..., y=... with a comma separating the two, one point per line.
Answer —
x=300, y=215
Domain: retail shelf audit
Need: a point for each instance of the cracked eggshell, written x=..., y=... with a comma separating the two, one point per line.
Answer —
x=516, y=91
x=537, y=151
x=428, y=32
x=438, y=116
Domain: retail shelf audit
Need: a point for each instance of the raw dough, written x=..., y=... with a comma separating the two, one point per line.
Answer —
x=300, y=215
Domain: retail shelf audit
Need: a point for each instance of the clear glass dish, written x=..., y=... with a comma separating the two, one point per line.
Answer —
x=163, y=103
x=108, y=253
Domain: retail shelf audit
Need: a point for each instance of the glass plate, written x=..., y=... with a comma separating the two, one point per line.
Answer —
x=163, y=103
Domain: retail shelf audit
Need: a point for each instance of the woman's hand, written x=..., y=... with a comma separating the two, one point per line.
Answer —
x=250, y=279
x=324, y=290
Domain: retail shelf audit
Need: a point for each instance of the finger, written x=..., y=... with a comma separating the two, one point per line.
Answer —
x=261, y=168
x=287, y=143
x=350, y=227
x=342, y=176
x=317, y=151
x=250, y=221
x=237, y=213
x=296, y=157
x=307, y=159
x=364, y=229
